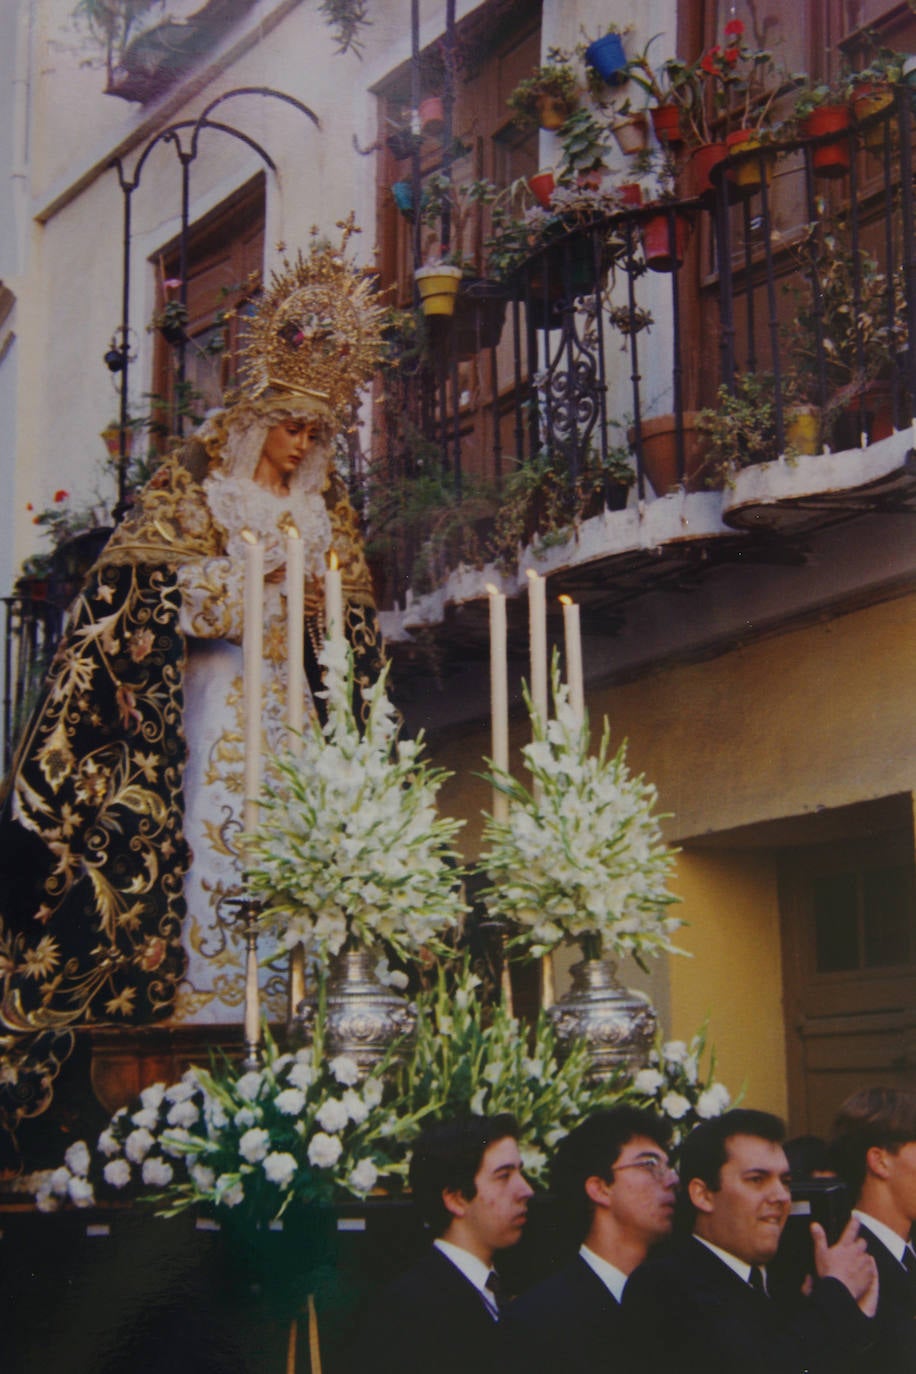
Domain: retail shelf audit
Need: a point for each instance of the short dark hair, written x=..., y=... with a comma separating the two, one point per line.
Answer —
x=593, y=1148
x=447, y=1157
x=871, y=1116
x=705, y=1150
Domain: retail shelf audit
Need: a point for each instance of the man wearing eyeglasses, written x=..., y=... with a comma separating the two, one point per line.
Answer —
x=704, y=1307
x=615, y=1186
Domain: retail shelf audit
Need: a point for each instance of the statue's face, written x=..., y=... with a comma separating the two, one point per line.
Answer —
x=285, y=446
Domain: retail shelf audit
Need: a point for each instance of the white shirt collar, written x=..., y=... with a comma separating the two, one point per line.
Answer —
x=737, y=1266
x=890, y=1239
x=473, y=1269
x=612, y=1277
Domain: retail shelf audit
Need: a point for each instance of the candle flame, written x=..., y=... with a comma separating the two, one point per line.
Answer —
x=333, y=564
x=493, y=591
x=535, y=577
x=565, y=600
x=248, y=536
x=292, y=531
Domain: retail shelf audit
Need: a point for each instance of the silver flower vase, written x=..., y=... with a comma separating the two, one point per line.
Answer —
x=617, y=1024
x=363, y=1017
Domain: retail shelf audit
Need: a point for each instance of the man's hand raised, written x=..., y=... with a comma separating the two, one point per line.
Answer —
x=849, y=1261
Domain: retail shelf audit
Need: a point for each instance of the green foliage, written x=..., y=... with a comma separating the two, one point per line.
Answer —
x=556, y=78
x=741, y=430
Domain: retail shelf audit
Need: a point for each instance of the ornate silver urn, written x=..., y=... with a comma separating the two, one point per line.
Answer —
x=363, y=1016
x=617, y=1024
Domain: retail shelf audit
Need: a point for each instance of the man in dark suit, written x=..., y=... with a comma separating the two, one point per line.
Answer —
x=703, y=1307
x=613, y=1182
x=874, y=1149
x=443, y=1314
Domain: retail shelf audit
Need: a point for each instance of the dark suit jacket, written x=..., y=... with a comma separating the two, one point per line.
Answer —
x=430, y=1318
x=565, y=1324
x=686, y=1311
x=895, y=1348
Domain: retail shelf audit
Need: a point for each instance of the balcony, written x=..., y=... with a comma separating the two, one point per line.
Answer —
x=782, y=292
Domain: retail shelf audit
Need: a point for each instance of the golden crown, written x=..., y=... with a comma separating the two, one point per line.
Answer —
x=317, y=330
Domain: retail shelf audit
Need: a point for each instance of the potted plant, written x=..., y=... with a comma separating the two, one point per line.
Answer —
x=667, y=89
x=741, y=429
x=542, y=185
x=605, y=481
x=820, y=111
x=581, y=857
x=584, y=147
x=549, y=95
x=171, y=321
x=606, y=57
x=871, y=91
x=452, y=204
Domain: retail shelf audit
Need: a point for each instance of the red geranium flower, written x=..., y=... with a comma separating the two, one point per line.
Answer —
x=734, y=26
x=61, y=495
x=708, y=62
x=731, y=56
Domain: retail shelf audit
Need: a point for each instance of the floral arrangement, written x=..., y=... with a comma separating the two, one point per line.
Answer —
x=351, y=849
x=676, y=1084
x=581, y=854
x=469, y=1058
x=301, y=1129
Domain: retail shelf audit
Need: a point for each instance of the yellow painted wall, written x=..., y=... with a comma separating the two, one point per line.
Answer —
x=819, y=717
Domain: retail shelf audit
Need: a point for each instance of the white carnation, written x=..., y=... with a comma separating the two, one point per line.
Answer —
x=117, y=1173
x=675, y=1105
x=229, y=1190
x=172, y=1141
x=363, y=1178
x=45, y=1201
x=345, y=1070
x=249, y=1085
x=108, y=1143
x=324, y=1150
x=648, y=1081
x=59, y=1181
x=77, y=1158
x=373, y=1092
x=290, y=1101
x=245, y=1117
x=280, y=1168
x=181, y=1092
x=138, y=1145
x=332, y=1115
x=148, y=1118
x=80, y=1192
x=675, y=1051
x=714, y=1101
x=152, y=1096
x=301, y=1075
x=184, y=1113
x=356, y=1108
x=254, y=1145
x=156, y=1172
x=202, y=1176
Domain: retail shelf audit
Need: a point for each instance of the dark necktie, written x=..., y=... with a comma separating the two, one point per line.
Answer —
x=494, y=1285
x=755, y=1279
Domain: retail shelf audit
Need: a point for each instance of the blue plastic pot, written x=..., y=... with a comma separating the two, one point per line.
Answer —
x=607, y=57
x=403, y=197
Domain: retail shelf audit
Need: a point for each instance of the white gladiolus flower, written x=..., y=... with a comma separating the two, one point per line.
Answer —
x=80, y=1191
x=675, y=1106
x=108, y=1143
x=138, y=1145
x=77, y=1158
x=280, y=1168
x=648, y=1081
x=156, y=1172
x=324, y=1150
x=184, y=1113
x=332, y=1115
x=290, y=1101
x=364, y=1177
x=254, y=1145
x=117, y=1173
x=229, y=1190
x=345, y=1070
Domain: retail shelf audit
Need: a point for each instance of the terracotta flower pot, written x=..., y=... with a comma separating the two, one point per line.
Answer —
x=829, y=159
x=664, y=240
x=701, y=162
x=666, y=121
x=432, y=116
x=632, y=134
x=542, y=186
x=630, y=194
x=659, y=452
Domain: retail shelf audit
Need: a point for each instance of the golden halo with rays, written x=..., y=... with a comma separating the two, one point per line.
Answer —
x=317, y=329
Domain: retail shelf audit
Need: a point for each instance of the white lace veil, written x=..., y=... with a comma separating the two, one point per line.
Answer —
x=235, y=437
